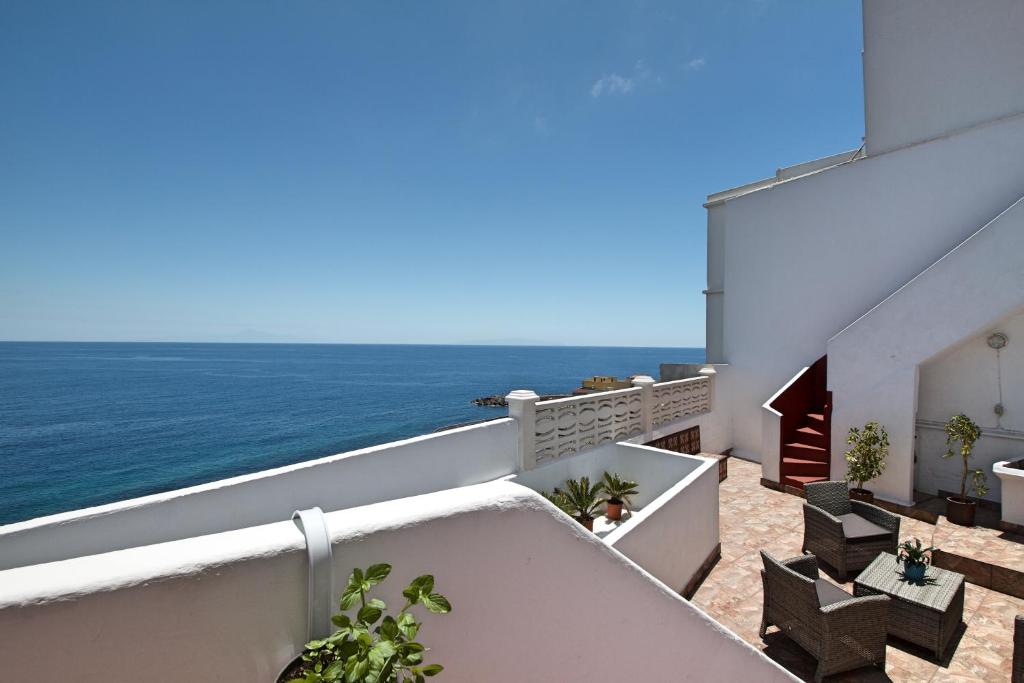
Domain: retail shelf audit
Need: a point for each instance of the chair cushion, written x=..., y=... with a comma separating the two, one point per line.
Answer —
x=856, y=528
x=829, y=593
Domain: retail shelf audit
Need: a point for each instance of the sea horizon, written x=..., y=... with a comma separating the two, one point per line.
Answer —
x=88, y=423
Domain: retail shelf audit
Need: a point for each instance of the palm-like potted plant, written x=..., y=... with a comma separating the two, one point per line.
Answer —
x=962, y=430
x=582, y=500
x=915, y=558
x=866, y=459
x=618, y=492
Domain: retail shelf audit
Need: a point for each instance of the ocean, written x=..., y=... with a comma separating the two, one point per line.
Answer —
x=84, y=424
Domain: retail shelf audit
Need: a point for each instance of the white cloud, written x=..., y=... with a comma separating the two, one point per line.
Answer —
x=540, y=124
x=613, y=84
x=695, y=64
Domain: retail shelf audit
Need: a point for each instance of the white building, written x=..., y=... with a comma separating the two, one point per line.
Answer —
x=896, y=260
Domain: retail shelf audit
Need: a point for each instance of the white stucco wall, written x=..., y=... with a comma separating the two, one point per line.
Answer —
x=873, y=364
x=803, y=259
x=230, y=607
x=674, y=534
x=934, y=66
x=966, y=379
x=468, y=455
x=676, y=526
x=654, y=470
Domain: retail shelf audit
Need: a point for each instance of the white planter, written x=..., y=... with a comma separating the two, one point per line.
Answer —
x=1012, y=480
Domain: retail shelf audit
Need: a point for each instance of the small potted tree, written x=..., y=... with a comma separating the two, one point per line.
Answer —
x=582, y=500
x=962, y=430
x=618, y=492
x=371, y=644
x=866, y=460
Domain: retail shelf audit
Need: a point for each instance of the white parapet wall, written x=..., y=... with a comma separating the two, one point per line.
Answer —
x=674, y=535
x=231, y=607
x=457, y=457
x=675, y=528
x=1012, y=479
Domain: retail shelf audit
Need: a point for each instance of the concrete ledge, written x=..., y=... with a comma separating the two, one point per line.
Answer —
x=981, y=573
x=1011, y=527
x=702, y=572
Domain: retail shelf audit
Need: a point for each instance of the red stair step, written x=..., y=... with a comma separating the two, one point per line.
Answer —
x=804, y=451
x=810, y=435
x=798, y=481
x=798, y=466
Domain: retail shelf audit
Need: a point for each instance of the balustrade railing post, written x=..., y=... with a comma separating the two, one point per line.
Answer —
x=522, y=406
x=710, y=374
x=646, y=385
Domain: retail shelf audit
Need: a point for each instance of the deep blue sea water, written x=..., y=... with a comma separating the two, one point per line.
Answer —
x=90, y=423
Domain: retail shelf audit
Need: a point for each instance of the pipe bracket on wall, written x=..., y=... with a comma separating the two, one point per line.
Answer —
x=313, y=526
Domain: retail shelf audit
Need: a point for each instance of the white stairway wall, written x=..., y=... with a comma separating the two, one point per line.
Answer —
x=873, y=363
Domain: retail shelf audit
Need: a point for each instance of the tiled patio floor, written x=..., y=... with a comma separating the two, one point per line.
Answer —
x=753, y=517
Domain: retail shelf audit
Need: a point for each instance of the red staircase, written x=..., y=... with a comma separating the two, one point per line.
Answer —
x=806, y=408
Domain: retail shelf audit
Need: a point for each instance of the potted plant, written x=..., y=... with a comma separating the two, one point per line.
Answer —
x=915, y=559
x=618, y=492
x=371, y=644
x=961, y=429
x=582, y=500
x=866, y=460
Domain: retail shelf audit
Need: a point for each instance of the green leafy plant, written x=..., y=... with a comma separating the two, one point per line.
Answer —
x=866, y=460
x=618, y=490
x=912, y=552
x=559, y=500
x=372, y=646
x=581, y=499
x=962, y=430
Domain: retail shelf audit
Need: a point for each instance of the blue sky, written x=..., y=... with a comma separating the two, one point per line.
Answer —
x=435, y=172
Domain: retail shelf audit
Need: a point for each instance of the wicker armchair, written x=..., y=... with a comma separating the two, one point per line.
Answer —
x=1017, y=673
x=840, y=631
x=846, y=534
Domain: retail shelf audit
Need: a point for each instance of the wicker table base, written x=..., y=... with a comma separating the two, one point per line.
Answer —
x=927, y=613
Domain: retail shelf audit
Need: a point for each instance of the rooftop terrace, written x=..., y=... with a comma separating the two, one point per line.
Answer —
x=754, y=518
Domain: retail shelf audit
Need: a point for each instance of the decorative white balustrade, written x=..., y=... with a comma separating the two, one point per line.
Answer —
x=568, y=425
x=681, y=398
x=549, y=430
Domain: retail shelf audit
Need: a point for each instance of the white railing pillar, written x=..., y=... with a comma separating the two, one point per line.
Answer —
x=646, y=384
x=710, y=374
x=522, y=406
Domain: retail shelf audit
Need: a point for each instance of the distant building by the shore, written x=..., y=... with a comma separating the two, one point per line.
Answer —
x=602, y=383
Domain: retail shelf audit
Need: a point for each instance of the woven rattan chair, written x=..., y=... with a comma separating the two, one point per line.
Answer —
x=840, y=631
x=1017, y=673
x=846, y=534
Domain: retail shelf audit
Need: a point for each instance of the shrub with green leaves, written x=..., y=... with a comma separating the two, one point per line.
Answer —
x=619, y=490
x=963, y=430
x=581, y=499
x=866, y=460
x=372, y=646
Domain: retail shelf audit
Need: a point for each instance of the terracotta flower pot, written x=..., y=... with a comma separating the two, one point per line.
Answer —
x=862, y=495
x=587, y=522
x=959, y=512
x=614, y=511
